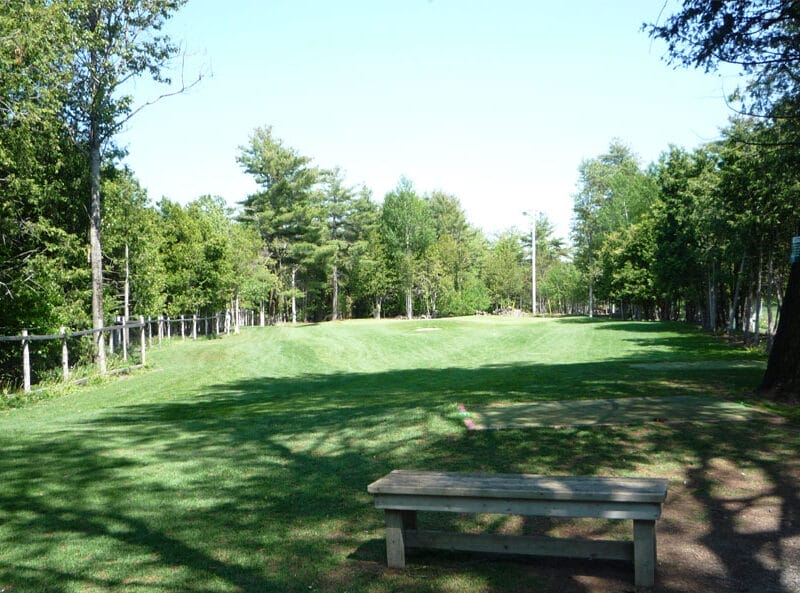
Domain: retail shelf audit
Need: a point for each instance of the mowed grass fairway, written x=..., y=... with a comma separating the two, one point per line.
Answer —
x=241, y=464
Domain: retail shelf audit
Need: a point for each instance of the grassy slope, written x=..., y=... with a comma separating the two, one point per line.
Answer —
x=241, y=464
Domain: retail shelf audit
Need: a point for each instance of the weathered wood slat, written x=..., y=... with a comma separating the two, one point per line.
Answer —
x=521, y=486
x=540, y=508
x=521, y=544
x=401, y=493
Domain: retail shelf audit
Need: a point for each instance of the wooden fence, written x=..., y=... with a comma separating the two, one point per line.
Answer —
x=130, y=339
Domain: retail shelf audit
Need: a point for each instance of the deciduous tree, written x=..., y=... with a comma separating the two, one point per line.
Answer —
x=112, y=43
x=407, y=229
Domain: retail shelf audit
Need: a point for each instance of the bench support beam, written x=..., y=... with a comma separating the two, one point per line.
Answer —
x=528, y=545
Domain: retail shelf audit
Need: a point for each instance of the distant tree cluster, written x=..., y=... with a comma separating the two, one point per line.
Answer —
x=701, y=235
x=332, y=252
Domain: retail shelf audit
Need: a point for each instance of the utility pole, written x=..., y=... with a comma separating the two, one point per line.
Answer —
x=532, y=216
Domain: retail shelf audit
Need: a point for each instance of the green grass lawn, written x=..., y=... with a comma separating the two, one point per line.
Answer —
x=241, y=464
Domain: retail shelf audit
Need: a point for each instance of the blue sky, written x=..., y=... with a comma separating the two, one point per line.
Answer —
x=496, y=102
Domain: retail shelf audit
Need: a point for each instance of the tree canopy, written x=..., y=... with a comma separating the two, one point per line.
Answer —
x=762, y=38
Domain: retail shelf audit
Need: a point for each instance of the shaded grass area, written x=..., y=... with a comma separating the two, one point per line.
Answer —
x=242, y=464
x=686, y=408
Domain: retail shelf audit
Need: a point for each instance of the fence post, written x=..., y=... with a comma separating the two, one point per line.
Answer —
x=64, y=355
x=149, y=331
x=26, y=362
x=143, y=338
x=169, y=328
x=194, y=326
x=183, y=334
x=110, y=340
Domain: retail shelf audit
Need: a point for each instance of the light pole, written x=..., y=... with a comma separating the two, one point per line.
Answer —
x=532, y=216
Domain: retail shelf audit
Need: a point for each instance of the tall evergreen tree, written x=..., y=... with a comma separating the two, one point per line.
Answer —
x=762, y=37
x=288, y=210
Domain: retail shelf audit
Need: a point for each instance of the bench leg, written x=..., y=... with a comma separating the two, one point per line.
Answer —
x=395, y=543
x=644, y=552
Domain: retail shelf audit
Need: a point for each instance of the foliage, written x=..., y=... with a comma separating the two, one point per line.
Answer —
x=613, y=193
x=407, y=230
x=506, y=272
x=198, y=256
x=757, y=36
x=134, y=247
x=460, y=250
x=761, y=38
x=625, y=262
x=562, y=288
x=287, y=212
x=110, y=43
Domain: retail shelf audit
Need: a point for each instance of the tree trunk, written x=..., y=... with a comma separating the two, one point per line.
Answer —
x=294, y=297
x=95, y=250
x=770, y=293
x=126, y=310
x=335, y=303
x=409, y=303
x=711, y=304
x=736, y=293
x=758, y=296
x=376, y=311
x=237, y=313
x=781, y=380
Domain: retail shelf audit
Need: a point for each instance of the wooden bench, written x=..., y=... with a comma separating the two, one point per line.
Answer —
x=402, y=493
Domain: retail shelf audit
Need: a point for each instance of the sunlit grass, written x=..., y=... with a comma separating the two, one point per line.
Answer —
x=241, y=464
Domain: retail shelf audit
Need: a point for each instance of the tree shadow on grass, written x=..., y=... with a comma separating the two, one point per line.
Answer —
x=260, y=484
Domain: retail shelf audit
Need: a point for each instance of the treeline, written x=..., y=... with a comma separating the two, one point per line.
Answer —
x=701, y=235
x=306, y=247
x=329, y=251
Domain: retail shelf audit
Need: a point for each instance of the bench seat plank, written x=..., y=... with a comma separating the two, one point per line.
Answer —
x=541, y=508
x=521, y=486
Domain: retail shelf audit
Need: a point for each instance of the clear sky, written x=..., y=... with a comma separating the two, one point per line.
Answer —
x=494, y=101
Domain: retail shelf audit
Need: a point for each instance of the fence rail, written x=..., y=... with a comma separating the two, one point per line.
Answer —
x=119, y=337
